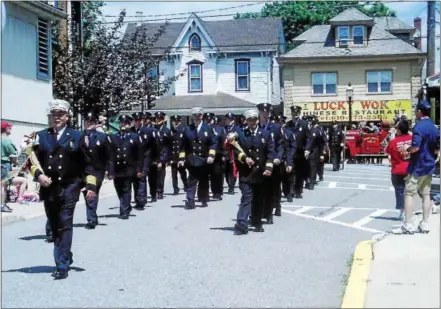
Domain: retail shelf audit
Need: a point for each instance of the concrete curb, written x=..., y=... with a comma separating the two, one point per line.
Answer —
x=355, y=292
x=6, y=220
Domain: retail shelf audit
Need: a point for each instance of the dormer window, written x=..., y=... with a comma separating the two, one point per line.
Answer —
x=358, y=34
x=343, y=36
x=195, y=42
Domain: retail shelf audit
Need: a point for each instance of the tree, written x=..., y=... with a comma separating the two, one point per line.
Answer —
x=299, y=16
x=109, y=71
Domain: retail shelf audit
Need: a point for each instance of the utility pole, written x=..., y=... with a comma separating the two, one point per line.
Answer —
x=431, y=48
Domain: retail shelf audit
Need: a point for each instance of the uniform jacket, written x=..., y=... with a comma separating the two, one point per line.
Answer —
x=323, y=147
x=313, y=143
x=301, y=130
x=290, y=146
x=233, y=128
x=336, y=137
x=128, y=154
x=176, y=137
x=260, y=148
x=66, y=161
x=196, y=147
x=276, y=133
x=149, y=147
x=163, y=142
x=221, y=134
x=99, y=146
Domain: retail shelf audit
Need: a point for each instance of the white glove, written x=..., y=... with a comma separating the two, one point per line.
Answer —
x=307, y=154
x=276, y=161
x=210, y=160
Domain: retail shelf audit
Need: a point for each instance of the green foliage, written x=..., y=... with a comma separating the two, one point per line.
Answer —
x=300, y=16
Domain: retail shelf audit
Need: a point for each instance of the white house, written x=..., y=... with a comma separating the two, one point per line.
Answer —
x=228, y=65
x=26, y=64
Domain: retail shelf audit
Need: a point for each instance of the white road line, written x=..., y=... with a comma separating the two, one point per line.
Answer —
x=351, y=208
x=361, y=186
x=355, y=183
x=336, y=213
x=303, y=209
x=348, y=188
x=361, y=172
x=332, y=185
x=369, y=218
x=333, y=222
x=354, y=177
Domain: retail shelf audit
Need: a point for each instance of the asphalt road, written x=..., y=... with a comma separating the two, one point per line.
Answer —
x=167, y=256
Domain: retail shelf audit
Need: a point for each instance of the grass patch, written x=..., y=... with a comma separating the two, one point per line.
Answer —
x=345, y=277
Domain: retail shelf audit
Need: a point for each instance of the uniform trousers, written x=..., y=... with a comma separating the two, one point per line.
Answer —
x=288, y=184
x=229, y=178
x=254, y=196
x=92, y=204
x=313, y=161
x=336, y=157
x=153, y=180
x=321, y=168
x=123, y=187
x=140, y=190
x=60, y=212
x=217, y=178
x=160, y=179
x=274, y=190
x=198, y=178
x=300, y=172
x=175, y=169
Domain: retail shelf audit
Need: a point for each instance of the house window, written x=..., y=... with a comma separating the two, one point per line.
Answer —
x=195, y=42
x=324, y=83
x=358, y=34
x=379, y=81
x=343, y=35
x=242, y=75
x=43, y=49
x=195, y=78
x=154, y=72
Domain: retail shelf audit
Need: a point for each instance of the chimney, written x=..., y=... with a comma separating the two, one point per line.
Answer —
x=417, y=35
x=138, y=18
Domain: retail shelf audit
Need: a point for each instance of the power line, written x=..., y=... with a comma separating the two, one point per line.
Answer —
x=188, y=13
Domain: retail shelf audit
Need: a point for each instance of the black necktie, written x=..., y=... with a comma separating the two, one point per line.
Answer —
x=53, y=138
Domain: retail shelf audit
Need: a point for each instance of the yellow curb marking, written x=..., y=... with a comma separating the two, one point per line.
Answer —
x=355, y=292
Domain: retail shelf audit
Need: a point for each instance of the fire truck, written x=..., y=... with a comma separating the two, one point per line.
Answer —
x=361, y=146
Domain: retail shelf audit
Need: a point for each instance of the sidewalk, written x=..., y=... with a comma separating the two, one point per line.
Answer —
x=35, y=210
x=405, y=272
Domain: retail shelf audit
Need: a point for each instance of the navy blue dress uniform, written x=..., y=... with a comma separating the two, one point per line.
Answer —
x=336, y=142
x=323, y=150
x=256, y=145
x=129, y=159
x=217, y=172
x=198, y=150
x=301, y=131
x=98, y=145
x=312, y=151
x=290, y=149
x=177, y=131
x=163, y=144
x=61, y=163
x=139, y=184
x=275, y=181
x=231, y=127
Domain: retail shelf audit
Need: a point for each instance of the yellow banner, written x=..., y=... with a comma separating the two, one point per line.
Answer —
x=361, y=110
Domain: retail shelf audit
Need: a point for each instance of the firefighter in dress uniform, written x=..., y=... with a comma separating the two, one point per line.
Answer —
x=287, y=178
x=99, y=147
x=139, y=184
x=127, y=151
x=163, y=144
x=217, y=172
x=177, y=132
x=323, y=150
x=274, y=182
x=61, y=163
x=312, y=151
x=301, y=131
x=255, y=163
x=290, y=147
x=229, y=176
x=197, y=151
x=150, y=155
x=336, y=145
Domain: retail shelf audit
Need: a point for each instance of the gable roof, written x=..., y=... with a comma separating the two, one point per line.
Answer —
x=351, y=14
x=258, y=34
x=393, y=24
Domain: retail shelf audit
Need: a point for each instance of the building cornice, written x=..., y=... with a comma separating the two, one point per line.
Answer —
x=42, y=9
x=373, y=58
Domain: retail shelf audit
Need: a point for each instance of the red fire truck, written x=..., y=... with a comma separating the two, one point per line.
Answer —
x=361, y=146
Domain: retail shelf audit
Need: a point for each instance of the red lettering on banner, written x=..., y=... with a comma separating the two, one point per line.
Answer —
x=365, y=104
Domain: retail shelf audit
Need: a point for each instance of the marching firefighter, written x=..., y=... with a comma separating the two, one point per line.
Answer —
x=137, y=122
x=147, y=119
x=163, y=143
x=177, y=132
x=287, y=178
x=254, y=152
x=301, y=131
x=229, y=161
x=59, y=162
x=100, y=151
x=323, y=150
x=198, y=150
x=217, y=173
x=336, y=145
x=139, y=184
x=312, y=152
x=129, y=159
x=275, y=181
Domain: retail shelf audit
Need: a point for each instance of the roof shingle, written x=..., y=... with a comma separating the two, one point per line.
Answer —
x=351, y=14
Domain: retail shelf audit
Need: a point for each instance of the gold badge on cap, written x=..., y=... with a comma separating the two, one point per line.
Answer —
x=97, y=143
x=72, y=145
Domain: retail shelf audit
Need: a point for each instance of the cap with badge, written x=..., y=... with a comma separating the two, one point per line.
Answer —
x=125, y=118
x=264, y=107
x=296, y=109
x=159, y=114
x=146, y=115
x=251, y=113
x=59, y=105
x=197, y=111
x=137, y=116
x=281, y=118
x=176, y=118
x=91, y=116
x=230, y=116
x=423, y=105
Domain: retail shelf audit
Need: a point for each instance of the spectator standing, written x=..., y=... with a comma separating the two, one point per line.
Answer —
x=399, y=160
x=8, y=156
x=423, y=154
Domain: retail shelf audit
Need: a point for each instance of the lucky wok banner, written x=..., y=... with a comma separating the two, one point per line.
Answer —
x=361, y=110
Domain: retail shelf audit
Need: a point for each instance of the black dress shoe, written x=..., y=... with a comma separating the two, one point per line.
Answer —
x=298, y=195
x=311, y=186
x=190, y=205
x=231, y=191
x=160, y=196
x=139, y=207
x=176, y=192
x=289, y=200
x=60, y=274
x=154, y=199
x=258, y=228
x=321, y=178
x=240, y=229
x=49, y=239
x=123, y=217
x=90, y=225
x=269, y=219
x=204, y=204
x=278, y=212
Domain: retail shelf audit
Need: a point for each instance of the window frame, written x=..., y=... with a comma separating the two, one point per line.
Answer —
x=237, y=75
x=344, y=42
x=200, y=65
x=324, y=80
x=41, y=74
x=353, y=35
x=190, y=48
x=379, y=81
